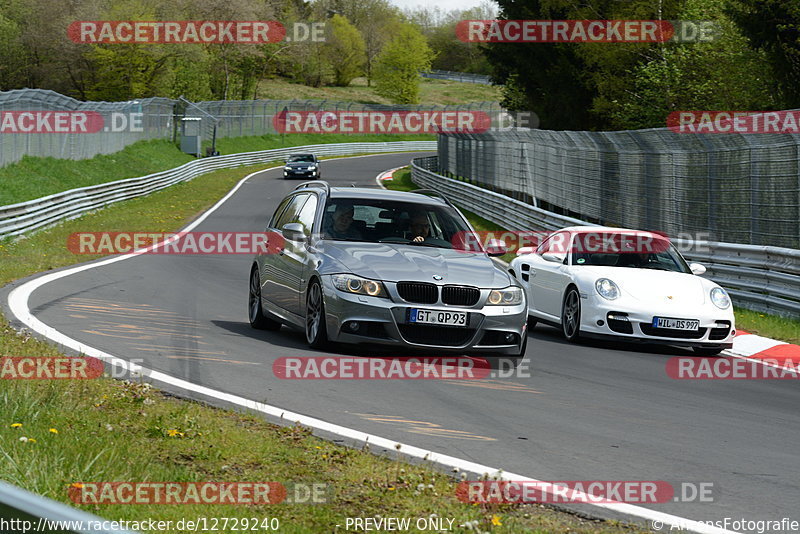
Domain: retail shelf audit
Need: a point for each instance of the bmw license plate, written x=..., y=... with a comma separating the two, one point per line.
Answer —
x=675, y=324
x=448, y=318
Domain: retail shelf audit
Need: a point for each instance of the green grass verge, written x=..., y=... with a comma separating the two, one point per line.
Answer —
x=771, y=326
x=32, y=177
x=432, y=92
x=782, y=328
x=116, y=431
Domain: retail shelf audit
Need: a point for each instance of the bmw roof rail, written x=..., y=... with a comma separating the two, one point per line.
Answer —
x=433, y=192
x=315, y=183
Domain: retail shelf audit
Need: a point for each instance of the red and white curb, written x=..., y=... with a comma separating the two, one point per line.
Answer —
x=385, y=176
x=769, y=351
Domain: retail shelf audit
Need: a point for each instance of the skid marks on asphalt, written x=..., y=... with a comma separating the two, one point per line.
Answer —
x=423, y=427
x=138, y=326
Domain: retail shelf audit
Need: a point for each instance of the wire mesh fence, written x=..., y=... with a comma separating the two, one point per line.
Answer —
x=107, y=127
x=43, y=123
x=737, y=188
x=463, y=77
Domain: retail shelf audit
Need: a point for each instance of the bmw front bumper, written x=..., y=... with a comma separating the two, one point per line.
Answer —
x=352, y=318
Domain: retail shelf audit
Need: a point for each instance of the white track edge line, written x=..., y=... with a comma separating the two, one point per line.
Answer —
x=18, y=303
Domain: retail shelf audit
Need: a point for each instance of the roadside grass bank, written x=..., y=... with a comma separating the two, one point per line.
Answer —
x=432, y=92
x=34, y=177
x=771, y=326
x=107, y=430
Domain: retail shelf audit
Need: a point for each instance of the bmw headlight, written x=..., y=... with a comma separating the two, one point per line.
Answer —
x=720, y=298
x=607, y=288
x=312, y=168
x=509, y=296
x=360, y=286
x=287, y=168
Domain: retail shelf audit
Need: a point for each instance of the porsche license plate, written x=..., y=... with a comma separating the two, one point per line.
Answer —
x=448, y=318
x=675, y=324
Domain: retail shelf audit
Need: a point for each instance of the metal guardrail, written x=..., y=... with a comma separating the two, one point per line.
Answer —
x=760, y=278
x=23, y=511
x=17, y=219
x=464, y=77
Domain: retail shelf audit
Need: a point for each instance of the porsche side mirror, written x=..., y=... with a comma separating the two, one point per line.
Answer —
x=697, y=268
x=555, y=258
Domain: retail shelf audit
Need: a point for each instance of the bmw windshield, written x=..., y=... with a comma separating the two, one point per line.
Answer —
x=389, y=221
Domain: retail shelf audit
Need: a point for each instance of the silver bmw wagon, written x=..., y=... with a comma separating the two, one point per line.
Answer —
x=369, y=266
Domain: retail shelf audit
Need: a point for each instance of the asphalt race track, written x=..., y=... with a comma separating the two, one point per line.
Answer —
x=593, y=411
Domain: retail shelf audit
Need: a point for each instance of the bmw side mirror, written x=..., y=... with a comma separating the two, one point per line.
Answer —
x=496, y=247
x=293, y=232
x=697, y=268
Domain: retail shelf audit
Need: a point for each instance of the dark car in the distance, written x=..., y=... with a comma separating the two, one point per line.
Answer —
x=302, y=166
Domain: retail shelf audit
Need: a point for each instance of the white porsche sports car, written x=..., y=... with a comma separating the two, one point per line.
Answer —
x=594, y=281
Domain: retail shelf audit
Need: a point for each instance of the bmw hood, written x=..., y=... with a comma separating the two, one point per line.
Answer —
x=393, y=263
x=296, y=164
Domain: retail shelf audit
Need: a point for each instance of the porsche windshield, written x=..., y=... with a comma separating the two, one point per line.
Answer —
x=627, y=251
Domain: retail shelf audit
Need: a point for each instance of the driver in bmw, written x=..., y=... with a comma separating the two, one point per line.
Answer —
x=419, y=227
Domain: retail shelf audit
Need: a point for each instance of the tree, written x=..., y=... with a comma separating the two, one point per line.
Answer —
x=774, y=27
x=549, y=79
x=377, y=20
x=345, y=50
x=725, y=73
x=399, y=64
x=12, y=55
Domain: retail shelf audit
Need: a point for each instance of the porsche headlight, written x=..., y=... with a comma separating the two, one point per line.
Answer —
x=607, y=288
x=720, y=298
x=509, y=296
x=360, y=286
